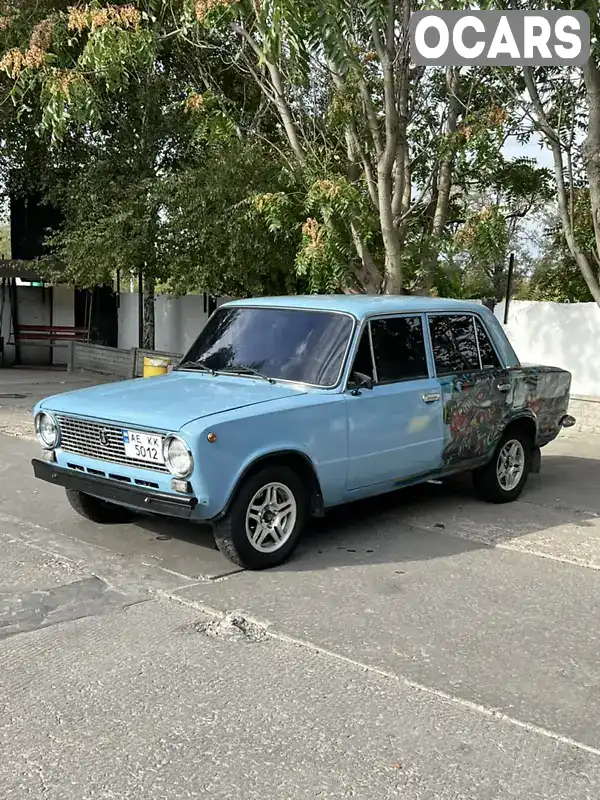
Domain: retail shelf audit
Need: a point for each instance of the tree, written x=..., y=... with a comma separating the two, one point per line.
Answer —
x=212, y=235
x=364, y=129
x=563, y=105
x=503, y=201
x=556, y=275
x=47, y=48
x=113, y=81
x=353, y=164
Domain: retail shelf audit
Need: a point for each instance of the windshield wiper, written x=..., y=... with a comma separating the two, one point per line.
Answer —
x=242, y=369
x=199, y=365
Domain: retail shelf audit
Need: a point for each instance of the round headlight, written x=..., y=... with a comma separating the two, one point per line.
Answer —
x=178, y=457
x=46, y=429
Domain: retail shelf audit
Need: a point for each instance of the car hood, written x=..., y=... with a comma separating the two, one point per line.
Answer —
x=168, y=402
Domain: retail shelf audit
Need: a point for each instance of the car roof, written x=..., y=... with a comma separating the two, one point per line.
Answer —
x=360, y=305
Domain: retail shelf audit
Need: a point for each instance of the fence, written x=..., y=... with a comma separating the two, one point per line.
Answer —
x=120, y=362
x=563, y=335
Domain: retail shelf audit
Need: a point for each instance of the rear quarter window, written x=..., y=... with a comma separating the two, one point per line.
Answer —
x=489, y=357
x=454, y=343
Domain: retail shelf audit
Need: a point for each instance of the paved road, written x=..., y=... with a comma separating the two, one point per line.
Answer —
x=421, y=646
x=22, y=387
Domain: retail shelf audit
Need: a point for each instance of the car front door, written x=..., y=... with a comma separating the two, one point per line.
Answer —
x=474, y=386
x=395, y=428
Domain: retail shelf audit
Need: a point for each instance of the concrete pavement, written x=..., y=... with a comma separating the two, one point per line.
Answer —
x=424, y=645
x=22, y=387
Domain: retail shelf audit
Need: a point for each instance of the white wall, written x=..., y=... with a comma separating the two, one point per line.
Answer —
x=178, y=321
x=128, y=320
x=63, y=313
x=563, y=335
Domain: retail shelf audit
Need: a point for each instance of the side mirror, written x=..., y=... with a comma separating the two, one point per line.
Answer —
x=361, y=381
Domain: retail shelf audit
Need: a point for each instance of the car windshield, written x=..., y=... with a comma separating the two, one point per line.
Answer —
x=288, y=344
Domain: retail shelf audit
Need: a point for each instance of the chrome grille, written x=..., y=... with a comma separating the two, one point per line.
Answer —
x=83, y=438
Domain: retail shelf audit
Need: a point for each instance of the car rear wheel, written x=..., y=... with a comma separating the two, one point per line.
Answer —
x=504, y=478
x=97, y=510
x=265, y=520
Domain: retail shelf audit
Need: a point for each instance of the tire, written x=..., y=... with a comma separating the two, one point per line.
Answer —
x=234, y=531
x=97, y=510
x=492, y=482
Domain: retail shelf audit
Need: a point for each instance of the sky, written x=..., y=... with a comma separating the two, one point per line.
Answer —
x=533, y=149
x=542, y=154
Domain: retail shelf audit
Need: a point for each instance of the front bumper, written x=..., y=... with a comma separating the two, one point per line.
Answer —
x=144, y=500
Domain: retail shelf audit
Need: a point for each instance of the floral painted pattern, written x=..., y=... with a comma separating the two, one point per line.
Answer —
x=476, y=411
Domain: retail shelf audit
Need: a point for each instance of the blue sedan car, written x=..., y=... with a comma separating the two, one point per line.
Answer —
x=284, y=407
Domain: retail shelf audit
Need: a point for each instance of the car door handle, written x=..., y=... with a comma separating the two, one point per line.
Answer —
x=503, y=387
x=431, y=397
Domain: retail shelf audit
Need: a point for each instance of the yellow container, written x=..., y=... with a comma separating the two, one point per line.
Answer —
x=155, y=366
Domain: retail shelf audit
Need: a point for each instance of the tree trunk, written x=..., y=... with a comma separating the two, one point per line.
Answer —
x=444, y=186
x=592, y=153
x=580, y=257
x=148, y=325
x=391, y=242
x=593, y=92
x=368, y=276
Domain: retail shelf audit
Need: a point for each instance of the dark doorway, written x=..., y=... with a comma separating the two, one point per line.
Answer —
x=97, y=308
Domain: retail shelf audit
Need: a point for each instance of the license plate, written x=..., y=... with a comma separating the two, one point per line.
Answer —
x=144, y=446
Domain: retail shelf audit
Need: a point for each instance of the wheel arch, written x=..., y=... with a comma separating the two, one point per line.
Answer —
x=294, y=459
x=526, y=423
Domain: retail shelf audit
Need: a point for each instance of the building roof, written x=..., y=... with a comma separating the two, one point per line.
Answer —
x=25, y=270
x=361, y=305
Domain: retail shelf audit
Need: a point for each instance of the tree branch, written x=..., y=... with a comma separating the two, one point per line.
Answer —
x=371, y=115
x=400, y=168
x=278, y=97
x=355, y=150
x=369, y=277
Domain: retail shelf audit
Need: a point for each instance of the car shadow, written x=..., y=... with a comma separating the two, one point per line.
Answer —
x=431, y=520
x=166, y=530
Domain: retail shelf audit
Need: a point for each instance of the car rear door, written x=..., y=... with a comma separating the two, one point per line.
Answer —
x=475, y=387
x=395, y=429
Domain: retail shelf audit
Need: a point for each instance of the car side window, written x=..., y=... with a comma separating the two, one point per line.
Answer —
x=454, y=344
x=399, y=348
x=363, y=361
x=489, y=357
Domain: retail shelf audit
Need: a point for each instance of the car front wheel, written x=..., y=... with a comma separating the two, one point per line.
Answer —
x=504, y=478
x=97, y=510
x=265, y=520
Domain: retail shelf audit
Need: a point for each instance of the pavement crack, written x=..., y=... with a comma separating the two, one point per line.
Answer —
x=219, y=618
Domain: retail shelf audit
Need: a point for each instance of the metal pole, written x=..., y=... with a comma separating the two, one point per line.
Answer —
x=2, y=300
x=14, y=311
x=51, y=293
x=509, y=277
x=140, y=311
